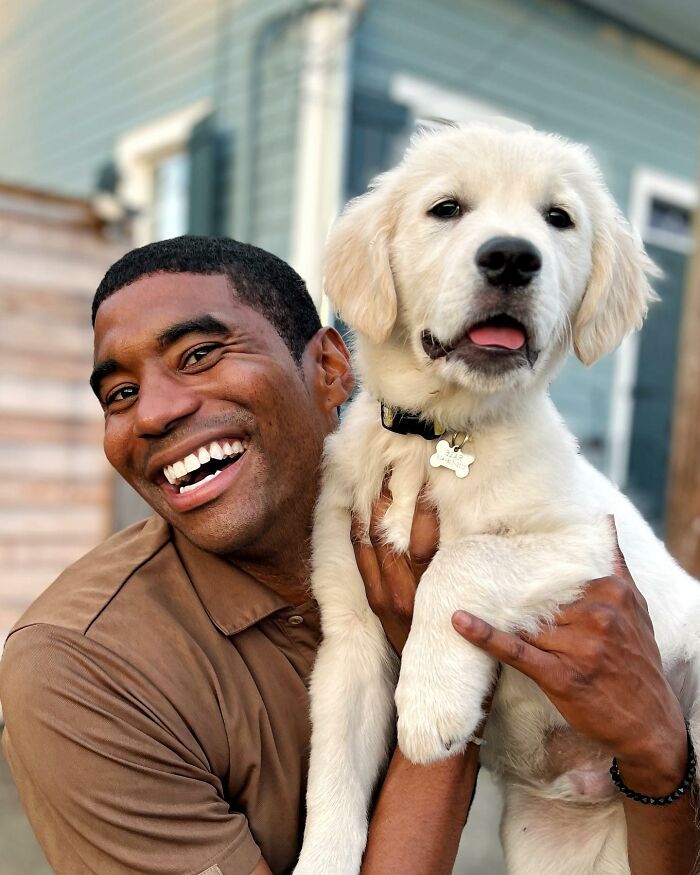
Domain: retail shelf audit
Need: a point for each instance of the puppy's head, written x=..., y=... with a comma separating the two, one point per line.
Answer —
x=485, y=254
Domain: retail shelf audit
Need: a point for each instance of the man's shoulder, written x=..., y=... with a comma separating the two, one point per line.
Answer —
x=85, y=589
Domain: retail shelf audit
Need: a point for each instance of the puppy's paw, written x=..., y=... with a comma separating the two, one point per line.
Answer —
x=396, y=527
x=434, y=730
x=439, y=696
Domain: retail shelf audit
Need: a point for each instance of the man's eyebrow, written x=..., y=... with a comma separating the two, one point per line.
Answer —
x=204, y=324
x=100, y=372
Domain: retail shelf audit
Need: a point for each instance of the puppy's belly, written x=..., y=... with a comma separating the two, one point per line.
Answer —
x=576, y=768
x=564, y=766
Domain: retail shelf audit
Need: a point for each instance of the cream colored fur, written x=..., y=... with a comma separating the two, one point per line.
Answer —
x=519, y=536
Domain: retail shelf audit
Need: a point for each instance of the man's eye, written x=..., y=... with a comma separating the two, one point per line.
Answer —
x=123, y=393
x=195, y=356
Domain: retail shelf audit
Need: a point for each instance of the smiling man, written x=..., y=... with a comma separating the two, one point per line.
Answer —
x=155, y=695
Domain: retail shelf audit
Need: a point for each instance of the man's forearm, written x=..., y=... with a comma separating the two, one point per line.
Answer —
x=419, y=816
x=661, y=839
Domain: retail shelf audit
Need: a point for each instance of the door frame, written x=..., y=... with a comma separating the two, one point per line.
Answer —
x=647, y=183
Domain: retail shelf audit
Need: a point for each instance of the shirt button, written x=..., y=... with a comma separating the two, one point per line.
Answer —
x=296, y=620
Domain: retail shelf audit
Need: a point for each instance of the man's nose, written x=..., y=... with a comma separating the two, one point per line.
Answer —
x=162, y=402
x=508, y=262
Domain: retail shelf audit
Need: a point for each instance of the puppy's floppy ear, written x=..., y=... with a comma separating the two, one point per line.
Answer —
x=618, y=292
x=358, y=276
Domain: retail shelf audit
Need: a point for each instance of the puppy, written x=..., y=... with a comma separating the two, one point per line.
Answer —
x=467, y=273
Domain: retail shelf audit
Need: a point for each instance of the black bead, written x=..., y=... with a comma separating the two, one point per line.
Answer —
x=658, y=800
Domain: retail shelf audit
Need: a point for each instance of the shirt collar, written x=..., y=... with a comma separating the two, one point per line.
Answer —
x=233, y=599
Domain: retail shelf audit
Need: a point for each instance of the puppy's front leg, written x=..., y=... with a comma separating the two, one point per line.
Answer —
x=352, y=708
x=442, y=682
x=511, y=582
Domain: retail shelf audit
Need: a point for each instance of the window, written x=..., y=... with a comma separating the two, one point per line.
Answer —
x=430, y=102
x=661, y=209
x=154, y=172
x=170, y=196
x=670, y=220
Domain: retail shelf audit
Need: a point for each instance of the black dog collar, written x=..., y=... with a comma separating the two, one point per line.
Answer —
x=403, y=422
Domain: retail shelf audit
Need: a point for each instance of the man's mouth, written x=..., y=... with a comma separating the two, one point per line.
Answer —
x=498, y=341
x=204, y=464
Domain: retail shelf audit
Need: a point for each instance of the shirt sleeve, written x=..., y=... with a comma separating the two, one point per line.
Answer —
x=107, y=786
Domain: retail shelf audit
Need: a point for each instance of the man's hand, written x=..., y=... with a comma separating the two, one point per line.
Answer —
x=600, y=666
x=391, y=578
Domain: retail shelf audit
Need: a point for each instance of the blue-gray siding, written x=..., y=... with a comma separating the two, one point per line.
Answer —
x=76, y=75
x=562, y=67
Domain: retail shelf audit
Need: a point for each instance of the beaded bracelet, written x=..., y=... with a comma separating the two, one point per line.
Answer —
x=658, y=800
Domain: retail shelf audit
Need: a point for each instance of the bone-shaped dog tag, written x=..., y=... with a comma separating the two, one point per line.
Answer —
x=447, y=456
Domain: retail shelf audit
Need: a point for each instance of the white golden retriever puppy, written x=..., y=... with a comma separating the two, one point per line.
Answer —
x=467, y=272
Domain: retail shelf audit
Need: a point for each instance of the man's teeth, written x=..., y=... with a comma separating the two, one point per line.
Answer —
x=215, y=450
x=178, y=470
x=199, y=482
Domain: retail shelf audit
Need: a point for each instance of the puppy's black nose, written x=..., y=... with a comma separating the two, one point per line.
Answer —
x=508, y=262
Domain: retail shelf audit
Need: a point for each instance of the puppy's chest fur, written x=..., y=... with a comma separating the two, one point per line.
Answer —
x=525, y=480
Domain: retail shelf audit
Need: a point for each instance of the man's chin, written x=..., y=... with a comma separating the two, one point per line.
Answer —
x=223, y=525
x=221, y=531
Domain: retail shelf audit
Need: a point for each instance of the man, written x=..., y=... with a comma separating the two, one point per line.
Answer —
x=155, y=695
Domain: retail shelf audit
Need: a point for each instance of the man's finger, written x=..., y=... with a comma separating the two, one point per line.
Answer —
x=503, y=646
x=425, y=534
x=367, y=565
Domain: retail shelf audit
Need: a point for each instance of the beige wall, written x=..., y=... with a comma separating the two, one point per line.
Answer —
x=55, y=485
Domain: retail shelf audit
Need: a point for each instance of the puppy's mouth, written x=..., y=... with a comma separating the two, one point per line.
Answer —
x=495, y=344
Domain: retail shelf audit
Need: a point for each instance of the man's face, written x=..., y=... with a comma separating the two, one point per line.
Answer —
x=187, y=374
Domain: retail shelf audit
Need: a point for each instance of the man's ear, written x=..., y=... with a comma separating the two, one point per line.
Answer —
x=358, y=278
x=618, y=292
x=327, y=368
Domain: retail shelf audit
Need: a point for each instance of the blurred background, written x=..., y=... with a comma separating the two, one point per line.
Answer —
x=133, y=120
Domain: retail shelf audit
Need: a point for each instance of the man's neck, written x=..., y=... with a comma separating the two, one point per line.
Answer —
x=286, y=574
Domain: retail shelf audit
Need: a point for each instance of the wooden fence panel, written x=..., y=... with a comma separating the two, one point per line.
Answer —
x=55, y=484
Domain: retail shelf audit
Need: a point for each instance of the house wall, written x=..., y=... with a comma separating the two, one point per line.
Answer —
x=75, y=76
x=55, y=483
x=562, y=67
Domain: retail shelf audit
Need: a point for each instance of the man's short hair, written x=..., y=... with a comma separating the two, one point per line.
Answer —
x=260, y=279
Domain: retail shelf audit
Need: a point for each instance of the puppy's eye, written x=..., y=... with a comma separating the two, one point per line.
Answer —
x=558, y=218
x=447, y=209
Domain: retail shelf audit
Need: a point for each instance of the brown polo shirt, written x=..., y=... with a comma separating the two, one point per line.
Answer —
x=156, y=703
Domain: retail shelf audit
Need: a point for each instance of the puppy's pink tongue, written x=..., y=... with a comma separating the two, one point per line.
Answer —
x=494, y=335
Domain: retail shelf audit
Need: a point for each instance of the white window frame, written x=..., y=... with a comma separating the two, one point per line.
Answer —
x=137, y=152
x=428, y=101
x=647, y=184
